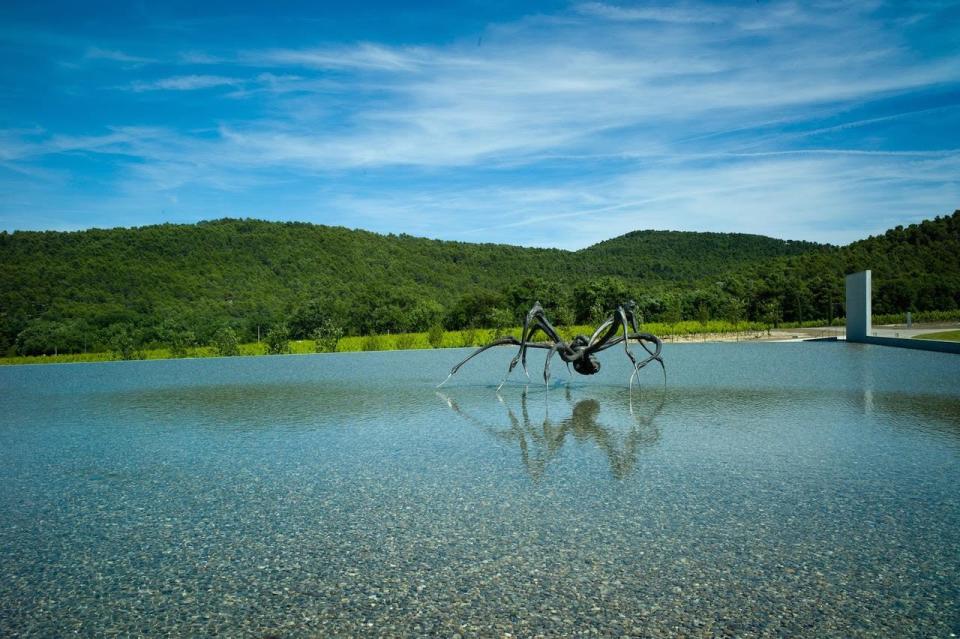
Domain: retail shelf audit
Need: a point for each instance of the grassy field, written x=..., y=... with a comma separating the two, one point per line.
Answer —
x=948, y=336
x=404, y=341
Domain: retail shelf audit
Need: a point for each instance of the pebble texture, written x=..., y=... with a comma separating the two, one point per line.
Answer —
x=766, y=491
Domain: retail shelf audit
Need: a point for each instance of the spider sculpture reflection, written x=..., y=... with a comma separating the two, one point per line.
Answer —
x=581, y=351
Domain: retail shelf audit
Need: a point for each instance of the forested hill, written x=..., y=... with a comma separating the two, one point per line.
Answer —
x=683, y=256
x=75, y=289
x=249, y=273
x=914, y=268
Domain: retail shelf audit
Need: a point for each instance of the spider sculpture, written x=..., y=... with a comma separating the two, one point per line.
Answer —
x=581, y=351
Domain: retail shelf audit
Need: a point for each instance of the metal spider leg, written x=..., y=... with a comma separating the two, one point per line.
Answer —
x=631, y=308
x=622, y=317
x=537, y=320
x=524, y=345
x=654, y=355
x=542, y=323
x=615, y=323
x=546, y=366
x=497, y=342
x=525, y=335
x=594, y=341
x=643, y=338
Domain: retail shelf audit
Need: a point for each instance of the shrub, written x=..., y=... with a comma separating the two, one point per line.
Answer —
x=225, y=342
x=435, y=336
x=278, y=340
x=405, y=341
x=372, y=343
x=123, y=343
x=468, y=337
x=327, y=336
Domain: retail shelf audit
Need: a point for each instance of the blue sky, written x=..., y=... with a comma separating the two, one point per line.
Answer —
x=549, y=124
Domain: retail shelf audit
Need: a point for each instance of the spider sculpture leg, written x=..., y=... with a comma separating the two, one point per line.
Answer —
x=536, y=320
x=559, y=345
x=603, y=338
x=497, y=342
x=500, y=341
x=622, y=317
x=525, y=335
x=631, y=309
x=642, y=339
x=546, y=366
x=522, y=354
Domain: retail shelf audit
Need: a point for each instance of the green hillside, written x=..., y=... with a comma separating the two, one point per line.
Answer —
x=157, y=284
x=683, y=256
x=914, y=268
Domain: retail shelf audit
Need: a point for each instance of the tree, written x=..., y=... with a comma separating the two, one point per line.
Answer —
x=476, y=309
x=225, y=342
x=122, y=339
x=553, y=296
x=674, y=309
x=308, y=318
x=500, y=319
x=38, y=338
x=771, y=312
x=326, y=337
x=177, y=337
x=595, y=299
x=734, y=309
x=278, y=340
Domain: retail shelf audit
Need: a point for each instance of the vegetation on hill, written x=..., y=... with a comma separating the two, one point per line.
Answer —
x=915, y=268
x=234, y=281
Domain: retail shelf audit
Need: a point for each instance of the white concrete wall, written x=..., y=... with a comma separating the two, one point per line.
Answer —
x=859, y=308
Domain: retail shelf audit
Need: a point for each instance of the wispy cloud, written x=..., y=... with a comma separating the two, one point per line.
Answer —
x=653, y=14
x=836, y=198
x=535, y=94
x=554, y=129
x=185, y=83
x=364, y=56
x=114, y=55
x=199, y=57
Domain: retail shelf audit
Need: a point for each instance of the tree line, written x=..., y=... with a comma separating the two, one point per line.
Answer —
x=233, y=281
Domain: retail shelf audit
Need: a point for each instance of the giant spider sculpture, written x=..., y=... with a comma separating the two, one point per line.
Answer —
x=581, y=351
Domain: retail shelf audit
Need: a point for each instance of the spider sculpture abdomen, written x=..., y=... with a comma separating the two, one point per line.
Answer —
x=619, y=328
x=588, y=365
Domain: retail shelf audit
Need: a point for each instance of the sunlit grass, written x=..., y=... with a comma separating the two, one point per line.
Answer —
x=944, y=336
x=408, y=341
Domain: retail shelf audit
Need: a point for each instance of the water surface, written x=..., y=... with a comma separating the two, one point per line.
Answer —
x=765, y=490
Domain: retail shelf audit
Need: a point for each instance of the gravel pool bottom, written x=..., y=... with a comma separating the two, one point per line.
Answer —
x=764, y=490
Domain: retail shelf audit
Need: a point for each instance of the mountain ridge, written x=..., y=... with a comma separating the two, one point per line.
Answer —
x=247, y=274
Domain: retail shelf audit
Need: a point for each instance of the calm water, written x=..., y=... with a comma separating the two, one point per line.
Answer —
x=766, y=490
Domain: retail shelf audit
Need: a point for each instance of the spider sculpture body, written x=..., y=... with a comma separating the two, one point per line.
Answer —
x=619, y=328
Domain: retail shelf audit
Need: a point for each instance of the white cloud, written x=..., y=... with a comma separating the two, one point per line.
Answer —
x=364, y=56
x=114, y=55
x=828, y=198
x=564, y=129
x=185, y=83
x=651, y=13
x=200, y=57
x=548, y=90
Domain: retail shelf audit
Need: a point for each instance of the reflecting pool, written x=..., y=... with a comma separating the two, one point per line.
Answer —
x=761, y=490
